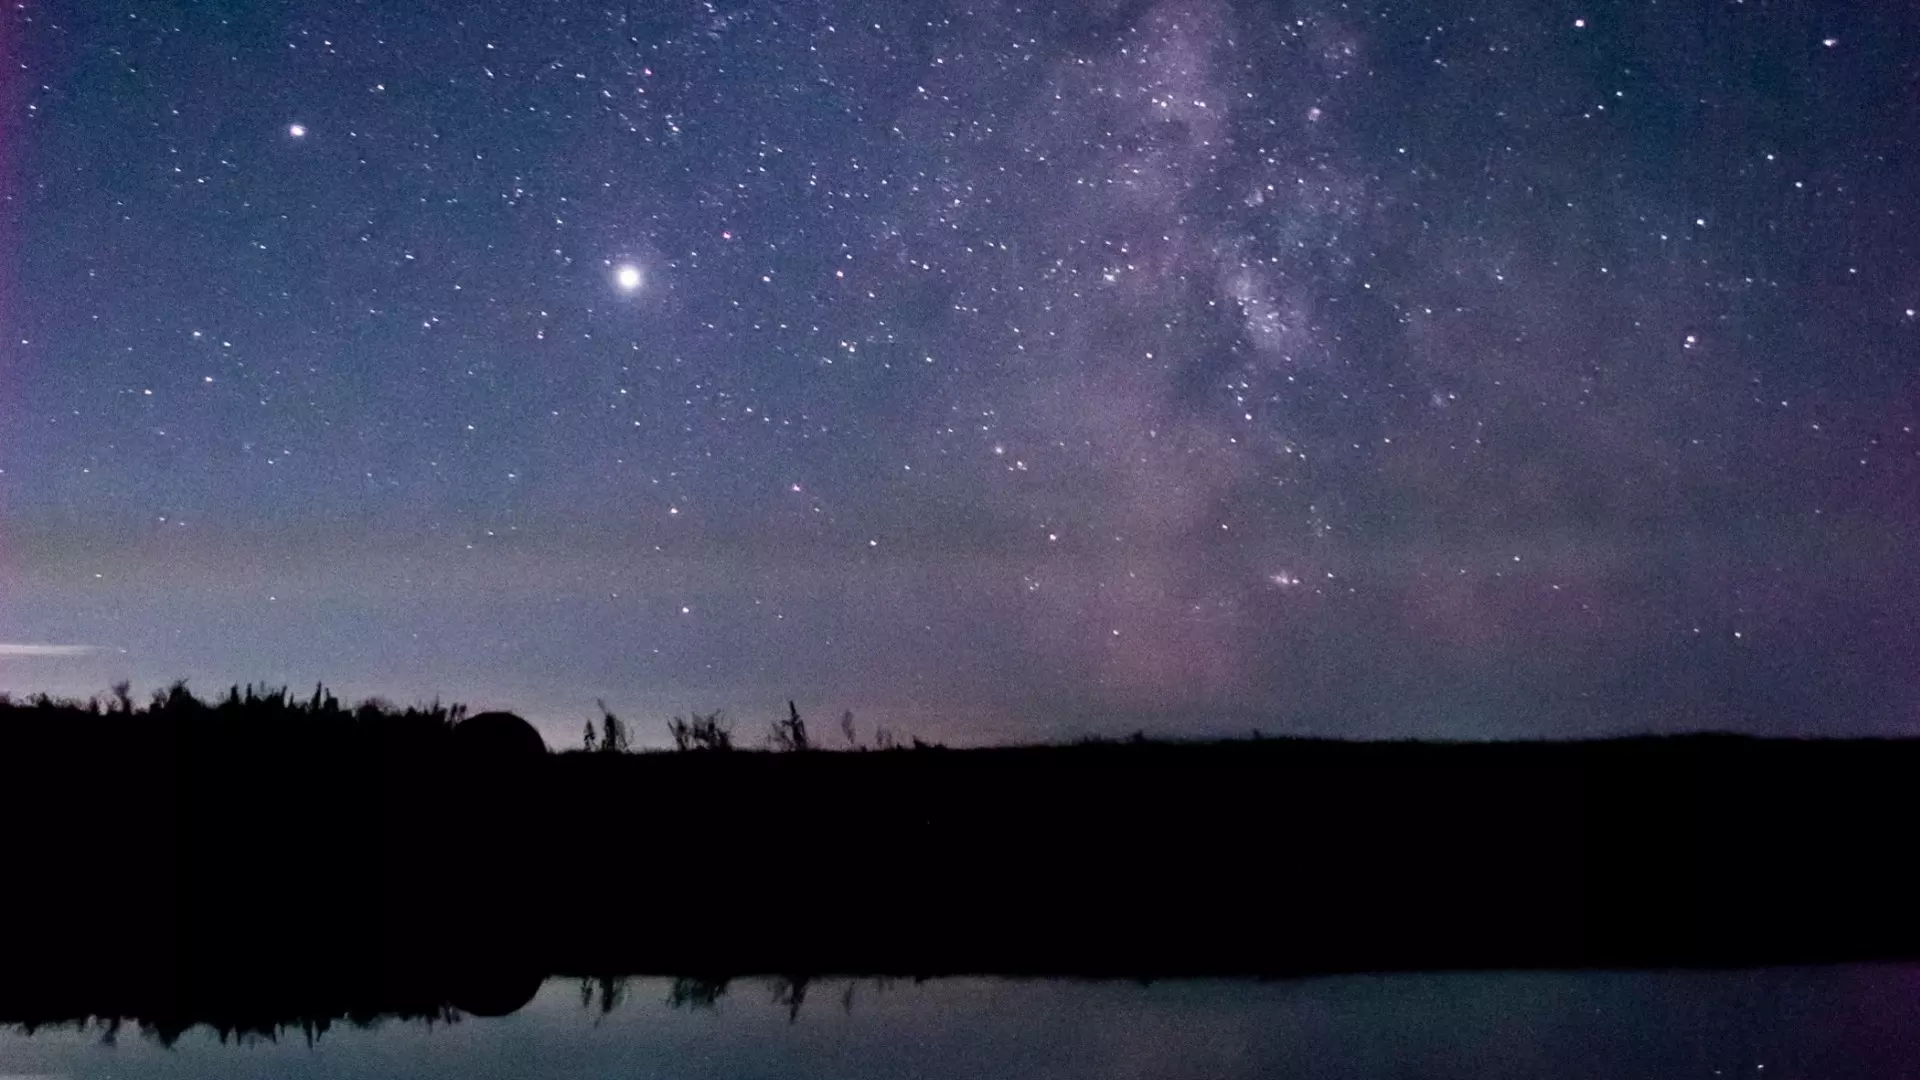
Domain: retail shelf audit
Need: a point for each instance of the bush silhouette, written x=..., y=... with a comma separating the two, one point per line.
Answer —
x=499, y=736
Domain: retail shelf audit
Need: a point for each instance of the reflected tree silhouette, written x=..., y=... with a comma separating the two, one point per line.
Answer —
x=696, y=991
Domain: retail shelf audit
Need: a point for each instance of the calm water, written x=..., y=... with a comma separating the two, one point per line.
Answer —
x=1830, y=1022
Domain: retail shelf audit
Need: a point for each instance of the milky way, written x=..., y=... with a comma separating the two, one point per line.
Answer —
x=994, y=371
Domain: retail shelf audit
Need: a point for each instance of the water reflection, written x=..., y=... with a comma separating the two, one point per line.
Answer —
x=1831, y=1022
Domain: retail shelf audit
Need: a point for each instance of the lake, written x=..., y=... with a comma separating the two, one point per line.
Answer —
x=1828, y=1022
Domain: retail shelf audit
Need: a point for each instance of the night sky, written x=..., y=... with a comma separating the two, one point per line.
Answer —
x=998, y=371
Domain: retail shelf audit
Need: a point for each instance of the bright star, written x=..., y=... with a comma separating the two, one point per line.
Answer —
x=298, y=131
x=628, y=277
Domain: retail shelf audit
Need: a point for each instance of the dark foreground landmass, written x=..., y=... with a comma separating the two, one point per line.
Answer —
x=265, y=862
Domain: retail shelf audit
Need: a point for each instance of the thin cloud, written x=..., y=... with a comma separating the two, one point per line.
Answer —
x=17, y=651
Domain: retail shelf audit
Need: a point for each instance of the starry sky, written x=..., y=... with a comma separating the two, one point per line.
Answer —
x=995, y=370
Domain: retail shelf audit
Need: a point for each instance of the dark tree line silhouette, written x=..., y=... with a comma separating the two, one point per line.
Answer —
x=249, y=714
x=266, y=854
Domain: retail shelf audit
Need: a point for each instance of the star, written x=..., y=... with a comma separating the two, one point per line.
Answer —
x=1148, y=300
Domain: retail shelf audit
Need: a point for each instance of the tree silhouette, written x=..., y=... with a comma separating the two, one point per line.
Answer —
x=613, y=733
x=709, y=732
x=790, y=735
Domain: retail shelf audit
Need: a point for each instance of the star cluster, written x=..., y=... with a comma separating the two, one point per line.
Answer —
x=995, y=370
